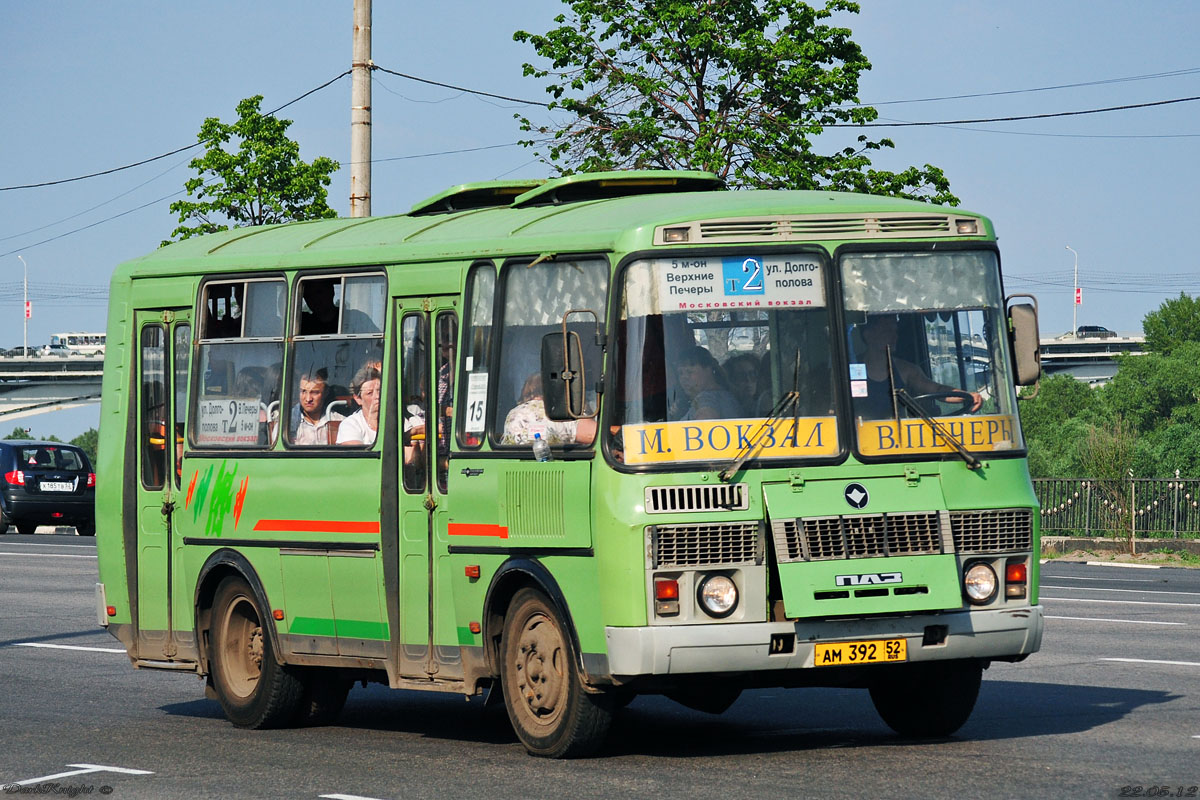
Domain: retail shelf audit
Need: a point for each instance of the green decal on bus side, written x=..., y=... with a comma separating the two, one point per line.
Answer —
x=343, y=628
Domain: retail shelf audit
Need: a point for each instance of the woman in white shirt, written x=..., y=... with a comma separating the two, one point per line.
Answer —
x=362, y=426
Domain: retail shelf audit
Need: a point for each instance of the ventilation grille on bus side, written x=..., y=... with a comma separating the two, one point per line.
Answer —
x=674, y=499
x=535, y=505
x=992, y=531
x=706, y=544
x=859, y=536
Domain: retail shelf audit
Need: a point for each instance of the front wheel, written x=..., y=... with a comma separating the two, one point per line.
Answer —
x=253, y=689
x=551, y=712
x=27, y=528
x=926, y=700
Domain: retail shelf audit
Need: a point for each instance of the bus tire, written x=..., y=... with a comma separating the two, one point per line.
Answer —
x=927, y=700
x=548, y=707
x=324, y=696
x=252, y=688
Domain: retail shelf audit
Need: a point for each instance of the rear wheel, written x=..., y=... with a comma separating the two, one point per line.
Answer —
x=927, y=700
x=254, y=690
x=324, y=696
x=86, y=529
x=27, y=528
x=551, y=712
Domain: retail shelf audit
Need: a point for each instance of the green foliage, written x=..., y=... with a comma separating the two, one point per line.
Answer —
x=741, y=88
x=261, y=182
x=20, y=433
x=1173, y=323
x=1156, y=390
x=87, y=442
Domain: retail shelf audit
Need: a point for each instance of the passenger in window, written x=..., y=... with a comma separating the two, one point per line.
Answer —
x=322, y=314
x=747, y=380
x=414, y=430
x=704, y=386
x=879, y=334
x=529, y=417
x=361, y=427
x=311, y=416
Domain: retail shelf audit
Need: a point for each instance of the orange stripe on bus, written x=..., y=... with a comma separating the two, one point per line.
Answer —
x=469, y=529
x=315, y=526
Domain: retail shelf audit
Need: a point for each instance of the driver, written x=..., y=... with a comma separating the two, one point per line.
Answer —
x=879, y=334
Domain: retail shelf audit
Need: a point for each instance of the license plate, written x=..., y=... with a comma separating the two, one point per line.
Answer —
x=877, y=651
x=57, y=486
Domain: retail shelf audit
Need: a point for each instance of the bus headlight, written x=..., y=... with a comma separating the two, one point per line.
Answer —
x=718, y=596
x=979, y=582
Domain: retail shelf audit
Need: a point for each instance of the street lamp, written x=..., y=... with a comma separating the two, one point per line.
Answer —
x=25, y=313
x=1075, y=295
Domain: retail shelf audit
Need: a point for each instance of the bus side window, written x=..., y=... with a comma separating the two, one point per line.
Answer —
x=337, y=331
x=476, y=355
x=239, y=364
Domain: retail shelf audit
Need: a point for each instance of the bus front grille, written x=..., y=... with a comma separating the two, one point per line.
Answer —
x=706, y=544
x=992, y=531
x=860, y=536
x=701, y=497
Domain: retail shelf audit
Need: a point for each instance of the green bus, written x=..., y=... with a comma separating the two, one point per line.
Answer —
x=574, y=440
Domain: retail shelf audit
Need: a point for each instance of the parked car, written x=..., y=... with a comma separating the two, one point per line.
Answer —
x=46, y=483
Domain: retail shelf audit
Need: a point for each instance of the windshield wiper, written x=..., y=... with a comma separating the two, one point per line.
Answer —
x=899, y=396
x=790, y=400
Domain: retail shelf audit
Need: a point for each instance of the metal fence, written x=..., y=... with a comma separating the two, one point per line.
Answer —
x=1143, y=507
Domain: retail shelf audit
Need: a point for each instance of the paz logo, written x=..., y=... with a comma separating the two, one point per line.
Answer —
x=856, y=495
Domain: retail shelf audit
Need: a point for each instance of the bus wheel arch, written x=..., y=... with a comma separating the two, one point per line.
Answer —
x=513, y=576
x=221, y=565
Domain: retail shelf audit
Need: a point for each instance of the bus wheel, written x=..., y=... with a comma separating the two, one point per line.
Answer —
x=927, y=700
x=254, y=690
x=549, y=709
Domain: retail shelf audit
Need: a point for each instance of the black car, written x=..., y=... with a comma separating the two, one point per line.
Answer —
x=46, y=483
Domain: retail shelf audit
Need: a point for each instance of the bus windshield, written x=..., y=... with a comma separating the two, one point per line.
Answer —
x=925, y=335
x=707, y=348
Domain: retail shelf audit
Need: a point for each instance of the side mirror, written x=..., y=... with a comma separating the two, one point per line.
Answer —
x=1024, y=340
x=563, y=375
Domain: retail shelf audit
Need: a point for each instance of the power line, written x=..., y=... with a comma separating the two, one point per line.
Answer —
x=1013, y=118
x=162, y=156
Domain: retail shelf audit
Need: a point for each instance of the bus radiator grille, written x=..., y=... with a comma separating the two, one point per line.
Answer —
x=859, y=536
x=706, y=544
x=700, y=497
x=992, y=531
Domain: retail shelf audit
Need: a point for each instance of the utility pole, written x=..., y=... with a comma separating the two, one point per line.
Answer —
x=360, y=112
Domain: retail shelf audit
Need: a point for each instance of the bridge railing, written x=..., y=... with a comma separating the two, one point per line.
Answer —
x=1141, y=507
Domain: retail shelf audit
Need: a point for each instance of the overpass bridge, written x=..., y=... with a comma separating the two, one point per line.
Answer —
x=40, y=384
x=1090, y=359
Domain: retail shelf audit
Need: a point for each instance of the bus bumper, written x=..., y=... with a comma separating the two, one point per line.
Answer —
x=751, y=647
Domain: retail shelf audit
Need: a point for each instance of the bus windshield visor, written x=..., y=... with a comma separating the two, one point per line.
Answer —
x=925, y=336
x=708, y=346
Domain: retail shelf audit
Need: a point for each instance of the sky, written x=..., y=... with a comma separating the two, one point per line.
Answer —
x=87, y=87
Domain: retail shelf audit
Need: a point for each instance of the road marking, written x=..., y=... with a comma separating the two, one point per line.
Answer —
x=1106, y=580
x=347, y=797
x=1152, y=661
x=84, y=769
x=69, y=647
x=1102, y=589
x=1130, y=621
x=46, y=555
x=48, y=544
x=1120, y=602
x=1119, y=564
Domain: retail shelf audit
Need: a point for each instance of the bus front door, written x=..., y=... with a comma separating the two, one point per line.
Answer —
x=164, y=340
x=428, y=331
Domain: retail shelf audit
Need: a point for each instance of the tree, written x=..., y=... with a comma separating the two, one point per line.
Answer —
x=736, y=87
x=20, y=433
x=1173, y=323
x=88, y=442
x=261, y=182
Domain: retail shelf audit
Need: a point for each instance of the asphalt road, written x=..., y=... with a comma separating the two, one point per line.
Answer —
x=1110, y=706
